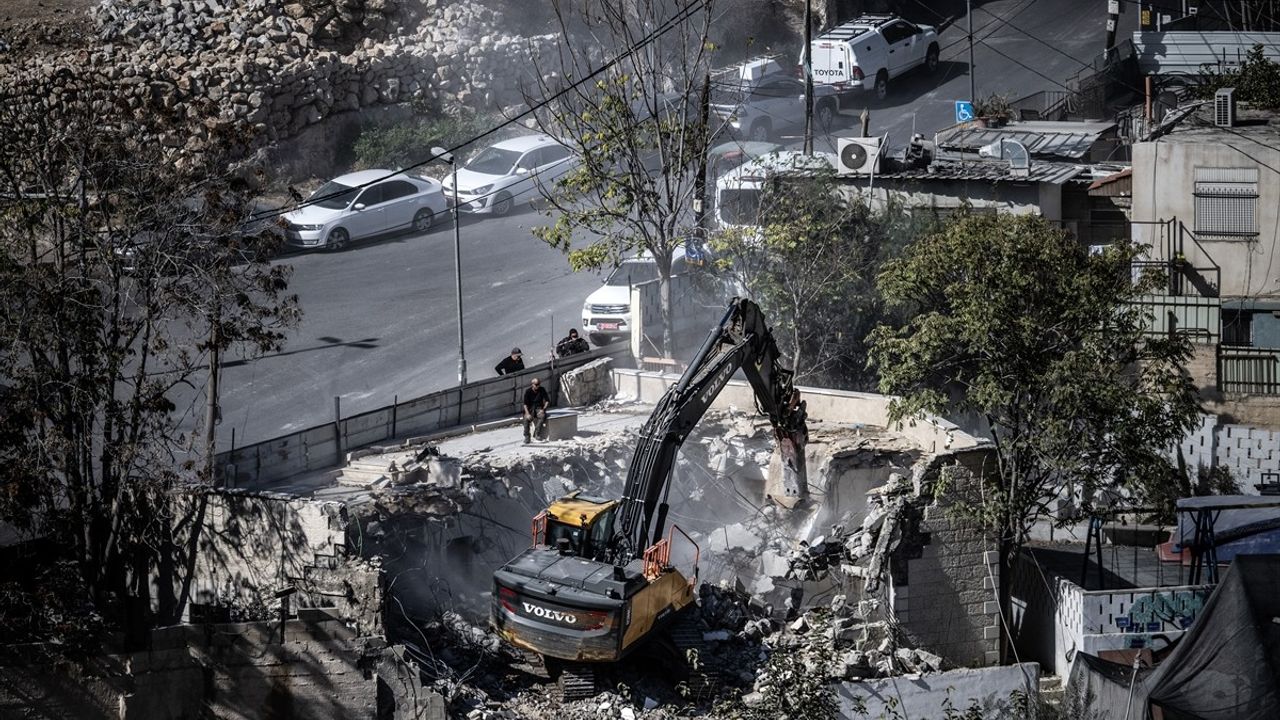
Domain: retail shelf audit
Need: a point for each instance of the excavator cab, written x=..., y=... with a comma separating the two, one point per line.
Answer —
x=581, y=523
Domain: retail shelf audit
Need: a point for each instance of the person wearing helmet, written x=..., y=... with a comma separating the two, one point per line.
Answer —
x=572, y=344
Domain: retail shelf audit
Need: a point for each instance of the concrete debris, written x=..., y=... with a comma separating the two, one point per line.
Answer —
x=864, y=551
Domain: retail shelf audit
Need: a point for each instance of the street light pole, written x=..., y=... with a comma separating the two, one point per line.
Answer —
x=457, y=260
x=968, y=11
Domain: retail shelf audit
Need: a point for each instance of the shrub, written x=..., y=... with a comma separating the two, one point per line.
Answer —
x=407, y=143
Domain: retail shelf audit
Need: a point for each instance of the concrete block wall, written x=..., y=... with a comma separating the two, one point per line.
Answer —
x=1055, y=618
x=948, y=601
x=1248, y=451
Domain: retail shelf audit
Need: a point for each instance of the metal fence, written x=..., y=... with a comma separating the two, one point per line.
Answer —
x=1249, y=370
x=325, y=446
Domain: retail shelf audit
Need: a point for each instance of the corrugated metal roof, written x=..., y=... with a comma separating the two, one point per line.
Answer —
x=992, y=171
x=1183, y=52
x=1050, y=139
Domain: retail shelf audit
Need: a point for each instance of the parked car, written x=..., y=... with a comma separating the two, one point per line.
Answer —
x=341, y=212
x=866, y=53
x=774, y=103
x=606, y=314
x=509, y=172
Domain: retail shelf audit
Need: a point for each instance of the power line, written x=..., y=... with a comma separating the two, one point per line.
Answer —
x=686, y=12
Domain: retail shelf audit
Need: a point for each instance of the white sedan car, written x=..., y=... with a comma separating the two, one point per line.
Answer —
x=509, y=172
x=341, y=211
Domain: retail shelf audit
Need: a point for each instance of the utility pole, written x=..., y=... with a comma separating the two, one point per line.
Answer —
x=808, y=77
x=211, y=411
x=968, y=12
x=700, y=182
x=1113, y=19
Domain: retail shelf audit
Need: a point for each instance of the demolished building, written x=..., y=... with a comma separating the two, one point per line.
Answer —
x=431, y=516
x=400, y=540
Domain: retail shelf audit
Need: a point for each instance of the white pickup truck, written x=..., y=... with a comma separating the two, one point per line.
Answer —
x=865, y=54
x=758, y=99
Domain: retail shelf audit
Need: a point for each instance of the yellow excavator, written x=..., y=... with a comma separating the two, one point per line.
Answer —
x=600, y=579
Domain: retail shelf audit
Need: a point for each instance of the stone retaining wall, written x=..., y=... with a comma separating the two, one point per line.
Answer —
x=267, y=69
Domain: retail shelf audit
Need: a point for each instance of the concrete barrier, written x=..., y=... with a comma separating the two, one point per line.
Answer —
x=932, y=433
x=320, y=447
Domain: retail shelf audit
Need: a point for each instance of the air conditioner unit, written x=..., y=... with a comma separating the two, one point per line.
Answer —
x=1224, y=107
x=859, y=156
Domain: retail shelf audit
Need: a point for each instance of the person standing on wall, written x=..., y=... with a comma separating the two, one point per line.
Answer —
x=536, y=402
x=510, y=364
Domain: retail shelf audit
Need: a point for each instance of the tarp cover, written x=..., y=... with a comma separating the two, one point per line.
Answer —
x=1226, y=666
x=1100, y=689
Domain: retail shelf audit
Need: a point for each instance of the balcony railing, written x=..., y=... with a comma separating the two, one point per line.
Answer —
x=1249, y=370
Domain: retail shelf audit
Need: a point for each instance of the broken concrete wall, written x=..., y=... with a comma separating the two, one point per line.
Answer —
x=587, y=385
x=944, y=588
x=997, y=693
x=853, y=409
x=252, y=546
x=319, y=669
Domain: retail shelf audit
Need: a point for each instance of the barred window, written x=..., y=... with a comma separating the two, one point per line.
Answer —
x=1226, y=202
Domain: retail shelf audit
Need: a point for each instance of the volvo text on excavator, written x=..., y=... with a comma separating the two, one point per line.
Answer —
x=600, y=579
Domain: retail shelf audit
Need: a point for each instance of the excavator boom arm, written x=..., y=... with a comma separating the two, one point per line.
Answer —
x=741, y=340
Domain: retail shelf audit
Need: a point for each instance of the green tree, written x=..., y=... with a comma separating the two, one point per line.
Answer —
x=637, y=131
x=1012, y=320
x=809, y=256
x=120, y=276
x=1256, y=80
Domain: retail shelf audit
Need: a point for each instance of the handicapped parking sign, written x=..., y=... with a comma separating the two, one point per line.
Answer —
x=964, y=111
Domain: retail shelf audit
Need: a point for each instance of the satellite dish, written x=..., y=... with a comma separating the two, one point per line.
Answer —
x=853, y=155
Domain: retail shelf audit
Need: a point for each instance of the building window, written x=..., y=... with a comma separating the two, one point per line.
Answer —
x=1237, y=328
x=1226, y=202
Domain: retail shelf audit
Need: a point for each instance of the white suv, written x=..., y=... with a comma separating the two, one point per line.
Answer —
x=498, y=177
x=606, y=314
x=865, y=54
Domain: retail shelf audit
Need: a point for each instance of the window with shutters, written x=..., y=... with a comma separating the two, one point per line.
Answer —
x=1227, y=203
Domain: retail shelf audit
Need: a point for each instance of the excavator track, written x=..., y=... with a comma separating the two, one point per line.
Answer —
x=686, y=635
x=577, y=681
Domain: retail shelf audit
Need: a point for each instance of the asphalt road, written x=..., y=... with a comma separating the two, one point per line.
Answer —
x=1060, y=38
x=380, y=317
x=380, y=321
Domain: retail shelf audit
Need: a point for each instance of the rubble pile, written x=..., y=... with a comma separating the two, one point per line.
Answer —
x=863, y=551
x=843, y=639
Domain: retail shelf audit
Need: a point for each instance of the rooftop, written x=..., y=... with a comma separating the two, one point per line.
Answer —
x=1055, y=173
x=1042, y=138
x=1194, y=124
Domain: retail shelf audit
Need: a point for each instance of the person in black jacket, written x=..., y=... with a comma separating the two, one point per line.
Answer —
x=510, y=364
x=572, y=344
x=536, y=402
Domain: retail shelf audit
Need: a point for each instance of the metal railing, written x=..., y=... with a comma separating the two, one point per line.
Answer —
x=1249, y=370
